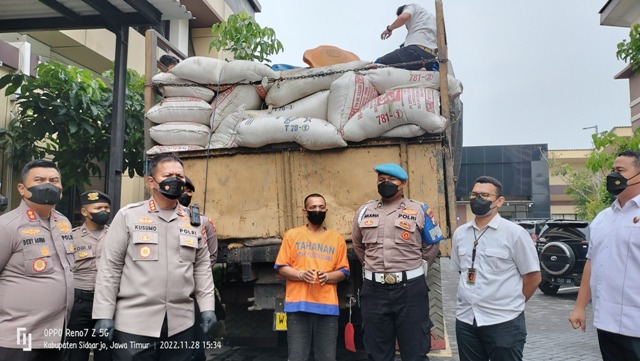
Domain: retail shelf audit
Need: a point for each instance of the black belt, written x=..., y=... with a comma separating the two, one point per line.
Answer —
x=83, y=294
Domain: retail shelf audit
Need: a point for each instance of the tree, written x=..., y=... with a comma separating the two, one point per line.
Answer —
x=586, y=187
x=65, y=113
x=244, y=38
x=630, y=50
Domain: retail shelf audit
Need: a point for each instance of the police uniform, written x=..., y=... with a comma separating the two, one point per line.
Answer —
x=391, y=240
x=152, y=261
x=87, y=253
x=36, y=282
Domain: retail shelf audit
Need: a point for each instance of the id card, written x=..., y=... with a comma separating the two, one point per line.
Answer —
x=471, y=276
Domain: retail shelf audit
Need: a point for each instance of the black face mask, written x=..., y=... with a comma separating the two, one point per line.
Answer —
x=46, y=194
x=480, y=206
x=387, y=189
x=171, y=188
x=184, y=199
x=617, y=183
x=100, y=218
x=316, y=217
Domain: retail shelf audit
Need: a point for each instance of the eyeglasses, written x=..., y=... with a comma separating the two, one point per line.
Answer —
x=473, y=195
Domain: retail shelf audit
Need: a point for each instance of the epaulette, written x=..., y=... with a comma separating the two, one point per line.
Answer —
x=133, y=205
x=76, y=228
x=417, y=202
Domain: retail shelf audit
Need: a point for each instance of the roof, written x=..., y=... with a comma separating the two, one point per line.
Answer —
x=31, y=15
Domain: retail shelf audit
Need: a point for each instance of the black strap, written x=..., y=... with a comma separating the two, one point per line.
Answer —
x=475, y=244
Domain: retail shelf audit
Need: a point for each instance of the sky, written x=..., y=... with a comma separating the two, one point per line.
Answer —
x=534, y=72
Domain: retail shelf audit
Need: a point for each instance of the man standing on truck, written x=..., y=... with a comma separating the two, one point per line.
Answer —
x=391, y=237
x=500, y=271
x=36, y=256
x=87, y=243
x=154, y=264
x=611, y=272
x=313, y=259
x=420, y=43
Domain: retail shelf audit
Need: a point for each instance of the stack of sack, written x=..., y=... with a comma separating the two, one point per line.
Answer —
x=318, y=108
x=192, y=90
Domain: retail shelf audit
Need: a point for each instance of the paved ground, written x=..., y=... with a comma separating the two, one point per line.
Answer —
x=550, y=337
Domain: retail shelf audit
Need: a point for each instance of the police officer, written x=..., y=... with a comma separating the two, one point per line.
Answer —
x=391, y=237
x=87, y=241
x=152, y=261
x=36, y=256
x=209, y=234
x=208, y=227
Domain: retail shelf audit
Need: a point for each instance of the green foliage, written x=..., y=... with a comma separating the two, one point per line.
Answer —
x=586, y=187
x=629, y=51
x=245, y=39
x=64, y=113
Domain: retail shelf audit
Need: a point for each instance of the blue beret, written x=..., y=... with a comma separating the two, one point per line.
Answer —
x=94, y=196
x=392, y=169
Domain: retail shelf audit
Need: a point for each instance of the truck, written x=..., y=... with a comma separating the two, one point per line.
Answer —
x=255, y=194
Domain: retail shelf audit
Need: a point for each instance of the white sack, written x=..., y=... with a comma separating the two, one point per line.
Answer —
x=180, y=109
x=419, y=106
x=230, y=101
x=348, y=94
x=245, y=71
x=287, y=91
x=157, y=149
x=180, y=134
x=310, y=133
x=313, y=106
x=199, y=69
x=404, y=131
x=170, y=85
x=385, y=79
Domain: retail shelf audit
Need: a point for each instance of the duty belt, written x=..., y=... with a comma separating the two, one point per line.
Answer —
x=393, y=277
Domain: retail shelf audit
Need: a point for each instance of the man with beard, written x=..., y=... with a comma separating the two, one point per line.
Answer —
x=153, y=264
x=36, y=257
x=313, y=259
x=87, y=242
x=391, y=237
x=499, y=271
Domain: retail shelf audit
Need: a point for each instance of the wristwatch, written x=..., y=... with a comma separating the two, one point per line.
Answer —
x=389, y=30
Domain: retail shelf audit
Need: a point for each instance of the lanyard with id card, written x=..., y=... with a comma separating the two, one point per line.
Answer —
x=471, y=272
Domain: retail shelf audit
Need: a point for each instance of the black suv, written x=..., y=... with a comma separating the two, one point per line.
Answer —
x=562, y=248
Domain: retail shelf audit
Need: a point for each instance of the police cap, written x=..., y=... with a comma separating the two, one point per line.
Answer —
x=94, y=196
x=391, y=169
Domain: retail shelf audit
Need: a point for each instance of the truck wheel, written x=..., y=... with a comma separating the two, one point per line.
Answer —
x=548, y=288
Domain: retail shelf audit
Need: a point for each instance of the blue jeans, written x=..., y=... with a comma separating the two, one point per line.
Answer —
x=406, y=54
x=500, y=342
x=614, y=346
x=305, y=328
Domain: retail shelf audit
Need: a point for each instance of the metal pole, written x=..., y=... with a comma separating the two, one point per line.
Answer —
x=116, y=154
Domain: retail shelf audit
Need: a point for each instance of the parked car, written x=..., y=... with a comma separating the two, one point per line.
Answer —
x=562, y=248
x=533, y=226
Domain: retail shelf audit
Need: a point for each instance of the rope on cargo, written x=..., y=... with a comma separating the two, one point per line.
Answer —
x=265, y=81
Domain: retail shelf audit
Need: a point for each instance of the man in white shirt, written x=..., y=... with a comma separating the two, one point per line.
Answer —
x=418, y=49
x=499, y=272
x=613, y=264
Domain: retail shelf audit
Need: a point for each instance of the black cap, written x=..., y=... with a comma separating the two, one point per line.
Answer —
x=94, y=196
x=189, y=184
